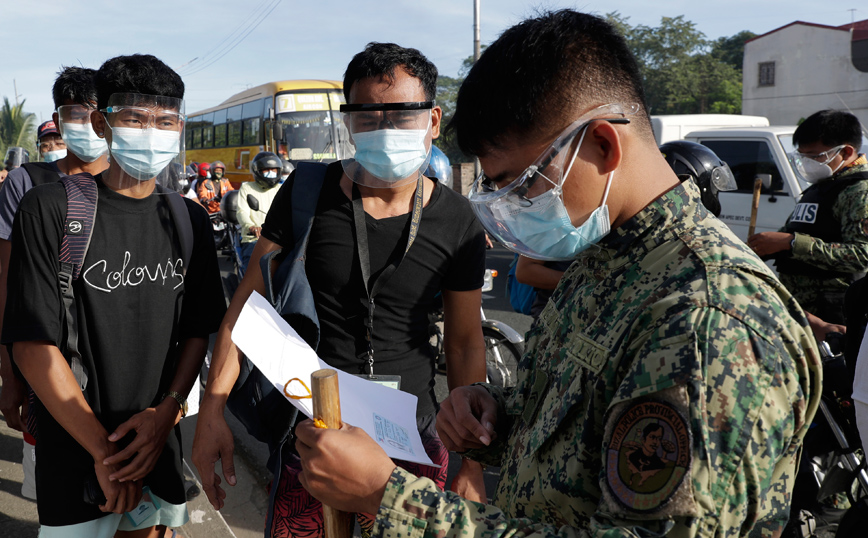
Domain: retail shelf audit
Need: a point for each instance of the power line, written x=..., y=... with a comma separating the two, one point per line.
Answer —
x=204, y=63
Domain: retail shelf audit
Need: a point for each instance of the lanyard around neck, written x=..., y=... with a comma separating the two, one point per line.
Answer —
x=373, y=288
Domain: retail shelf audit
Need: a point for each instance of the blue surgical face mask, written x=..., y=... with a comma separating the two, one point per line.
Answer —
x=544, y=226
x=144, y=153
x=391, y=154
x=83, y=142
x=55, y=155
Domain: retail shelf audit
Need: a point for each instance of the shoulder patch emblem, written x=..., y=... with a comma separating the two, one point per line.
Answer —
x=648, y=455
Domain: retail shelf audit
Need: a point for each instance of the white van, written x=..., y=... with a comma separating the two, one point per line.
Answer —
x=677, y=126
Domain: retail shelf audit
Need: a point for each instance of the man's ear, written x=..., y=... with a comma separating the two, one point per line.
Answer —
x=849, y=154
x=436, y=118
x=607, y=150
x=98, y=123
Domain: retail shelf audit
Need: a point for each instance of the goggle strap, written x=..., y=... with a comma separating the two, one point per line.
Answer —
x=608, y=186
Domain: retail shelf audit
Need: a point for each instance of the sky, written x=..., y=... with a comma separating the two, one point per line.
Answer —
x=219, y=50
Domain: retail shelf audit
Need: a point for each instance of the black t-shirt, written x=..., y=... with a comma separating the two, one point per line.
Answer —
x=134, y=303
x=448, y=253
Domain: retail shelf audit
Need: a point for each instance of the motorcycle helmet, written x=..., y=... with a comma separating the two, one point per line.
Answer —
x=439, y=167
x=707, y=170
x=214, y=166
x=266, y=168
x=287, y=169
x=15, y=157
x=204, y=171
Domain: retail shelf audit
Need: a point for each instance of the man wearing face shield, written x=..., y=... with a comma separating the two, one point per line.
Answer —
x=823, y=246
x=383, y=234
x=664, y=318
x=74, y=98
x=141, y=316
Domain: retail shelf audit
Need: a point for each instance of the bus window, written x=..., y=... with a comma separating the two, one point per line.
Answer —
x=207, y=120
x=219, y=117
x=197, y=137
x=188, y=137
x=251, y=131
x=220, y=135
x=251, y=110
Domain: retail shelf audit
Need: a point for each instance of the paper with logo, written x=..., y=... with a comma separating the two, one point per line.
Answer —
x=385, y=414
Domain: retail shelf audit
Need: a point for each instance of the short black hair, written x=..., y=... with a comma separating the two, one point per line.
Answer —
x=831, y=128
x=541, y=72
x=137, y=73
x=74, y=84
x=383, y=58
x=651, y=428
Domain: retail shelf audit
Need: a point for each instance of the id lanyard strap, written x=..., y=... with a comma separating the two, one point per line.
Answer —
x=373, y=288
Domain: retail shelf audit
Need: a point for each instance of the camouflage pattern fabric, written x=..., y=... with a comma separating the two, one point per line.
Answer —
x=850, y=255
x=666, y=390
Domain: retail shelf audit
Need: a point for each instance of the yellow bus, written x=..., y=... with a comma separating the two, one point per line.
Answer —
x=297, y=119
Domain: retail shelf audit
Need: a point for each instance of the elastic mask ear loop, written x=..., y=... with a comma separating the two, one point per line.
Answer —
x=573, y=159
x=608, y=185
x=835, y=171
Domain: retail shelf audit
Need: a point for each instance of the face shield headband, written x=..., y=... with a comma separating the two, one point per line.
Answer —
x=392, y=142
x=147, y=135
x=528, y=215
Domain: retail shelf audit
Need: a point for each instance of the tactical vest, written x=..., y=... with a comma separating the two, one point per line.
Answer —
x=814, y=216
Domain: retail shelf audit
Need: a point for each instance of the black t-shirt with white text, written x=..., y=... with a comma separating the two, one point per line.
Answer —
x=448, y=253
x=134, y=303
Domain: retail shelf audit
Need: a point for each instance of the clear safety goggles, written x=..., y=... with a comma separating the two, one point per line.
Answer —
x=550, y=165
x=78, y=114
x=138, y=111
x=364, y=117
x=824, y=157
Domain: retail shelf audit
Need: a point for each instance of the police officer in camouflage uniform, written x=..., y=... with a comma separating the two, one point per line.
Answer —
x=668, y=383
x=824, y=243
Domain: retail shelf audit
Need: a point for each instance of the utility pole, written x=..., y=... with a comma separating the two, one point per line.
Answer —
x=15, y=87
x=476, y=47
x=476, y=52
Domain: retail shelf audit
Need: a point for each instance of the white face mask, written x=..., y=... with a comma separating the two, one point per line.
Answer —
x=56, y=155
x=813, y=171
x=391, y=154
x=83, y=142
x=144, y=153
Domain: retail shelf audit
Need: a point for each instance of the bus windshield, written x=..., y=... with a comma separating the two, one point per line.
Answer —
x=307, y=136
x=310, y=123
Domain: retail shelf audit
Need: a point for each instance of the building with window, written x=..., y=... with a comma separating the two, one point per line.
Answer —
x=800, y=68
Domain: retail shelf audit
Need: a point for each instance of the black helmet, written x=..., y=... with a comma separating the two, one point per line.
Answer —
x=287, y=169
x=265, y=160
x=707, y=170
x=15, y=157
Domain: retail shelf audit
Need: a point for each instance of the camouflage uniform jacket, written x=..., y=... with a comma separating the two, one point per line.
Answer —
x=850, y=255
x=667, y=386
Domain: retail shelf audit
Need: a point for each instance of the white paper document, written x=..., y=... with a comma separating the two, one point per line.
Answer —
x=386, y=414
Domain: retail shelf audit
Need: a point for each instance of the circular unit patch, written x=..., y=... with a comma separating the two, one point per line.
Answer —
x=648, y=455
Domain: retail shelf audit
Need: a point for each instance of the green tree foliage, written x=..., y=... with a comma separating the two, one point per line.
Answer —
x=17, y=128
x=684, y=72
x=447, y=94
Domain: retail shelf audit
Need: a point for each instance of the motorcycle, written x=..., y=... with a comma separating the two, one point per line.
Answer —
x=504, y=346
x=841, y=469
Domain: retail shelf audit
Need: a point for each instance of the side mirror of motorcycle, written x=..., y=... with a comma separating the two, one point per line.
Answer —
x=253, y=202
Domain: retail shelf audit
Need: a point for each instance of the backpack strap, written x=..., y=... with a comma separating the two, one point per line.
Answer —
x=309, y=177
x=181, y=217
x=41, y=173
x=81, y=202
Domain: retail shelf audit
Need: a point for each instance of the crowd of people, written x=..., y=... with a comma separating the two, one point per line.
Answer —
x=670, y=378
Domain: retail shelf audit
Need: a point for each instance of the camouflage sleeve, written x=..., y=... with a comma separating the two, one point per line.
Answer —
x=414, y=507
x=743, y=411
x=850, y=255
x=493, y=453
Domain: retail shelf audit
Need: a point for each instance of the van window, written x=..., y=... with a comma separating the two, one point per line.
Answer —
x=747, y=158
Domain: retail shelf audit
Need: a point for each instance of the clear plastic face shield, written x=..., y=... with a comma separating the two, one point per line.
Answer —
x=146, y=136
x=536, y=193
x=723, y=179
x=815, y=166
x=77, y=131
x=392, y=142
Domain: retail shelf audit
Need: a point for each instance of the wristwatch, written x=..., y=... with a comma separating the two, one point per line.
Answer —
x=182, y=402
